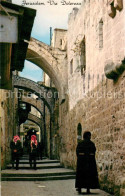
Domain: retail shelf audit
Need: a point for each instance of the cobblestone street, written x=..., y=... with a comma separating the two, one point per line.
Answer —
x=46, y=188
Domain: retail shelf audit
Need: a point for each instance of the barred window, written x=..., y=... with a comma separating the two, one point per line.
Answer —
x=79, y=132
x=83, y=56
x=71, y=66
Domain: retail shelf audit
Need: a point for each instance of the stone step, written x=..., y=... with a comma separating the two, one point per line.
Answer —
x=27, y=164
x=46, y=170
x=38, y=167
x=39, y=161
x=36, y=174
x=44, y=178
x=27, y=158
x=41, y=164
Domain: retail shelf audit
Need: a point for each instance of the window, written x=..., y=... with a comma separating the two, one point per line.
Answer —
x=71, y=66
x=83, y=56
x=60, y=42
x=89, y=81
x=100, y=34
x=23, y=106
x=79, y=132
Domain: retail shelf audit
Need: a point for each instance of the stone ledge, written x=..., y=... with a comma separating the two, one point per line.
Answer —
x=112, y=70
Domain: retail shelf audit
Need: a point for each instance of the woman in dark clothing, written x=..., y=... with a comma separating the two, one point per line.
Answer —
x=16, y=150
x=86, y=172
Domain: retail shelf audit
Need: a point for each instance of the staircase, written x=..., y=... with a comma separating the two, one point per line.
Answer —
x=46, y=170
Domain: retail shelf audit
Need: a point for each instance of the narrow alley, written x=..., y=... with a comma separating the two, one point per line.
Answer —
x=62, y=98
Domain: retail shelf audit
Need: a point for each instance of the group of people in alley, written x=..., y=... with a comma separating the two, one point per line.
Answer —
x=17, y=151
x=86, y=170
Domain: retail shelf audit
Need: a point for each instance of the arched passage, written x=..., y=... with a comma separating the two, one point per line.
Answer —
x=38, y=104
x=40, y=122
x=41, y=91
x=35, y=119
x=51, y=61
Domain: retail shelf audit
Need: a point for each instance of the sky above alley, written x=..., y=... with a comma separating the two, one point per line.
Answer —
x=49, y=14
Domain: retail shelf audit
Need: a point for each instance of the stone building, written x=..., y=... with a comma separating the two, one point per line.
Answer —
x=86, y=65
x=96, y=84
x=13, y=49
x=59, y=39
x=89, y=76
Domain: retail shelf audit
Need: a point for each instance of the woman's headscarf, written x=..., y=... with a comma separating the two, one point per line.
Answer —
x=33, y=140
x=16, y=138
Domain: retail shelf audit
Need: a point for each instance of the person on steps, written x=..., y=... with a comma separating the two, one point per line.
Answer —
x=33, y=151
x=16, y=150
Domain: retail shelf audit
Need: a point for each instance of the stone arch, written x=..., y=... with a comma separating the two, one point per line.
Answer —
x=35, y=119
x=37, y=103
x=50, y=60
x=40, y=91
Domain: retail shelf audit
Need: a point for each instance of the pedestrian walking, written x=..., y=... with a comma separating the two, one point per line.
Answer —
x=86, y=172
x=33, y=151
x=16, y=150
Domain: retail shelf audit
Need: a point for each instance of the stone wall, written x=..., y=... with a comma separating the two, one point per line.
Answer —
x=8, y=109
x=93, y=100
x=102, y=112
x=104, y=45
